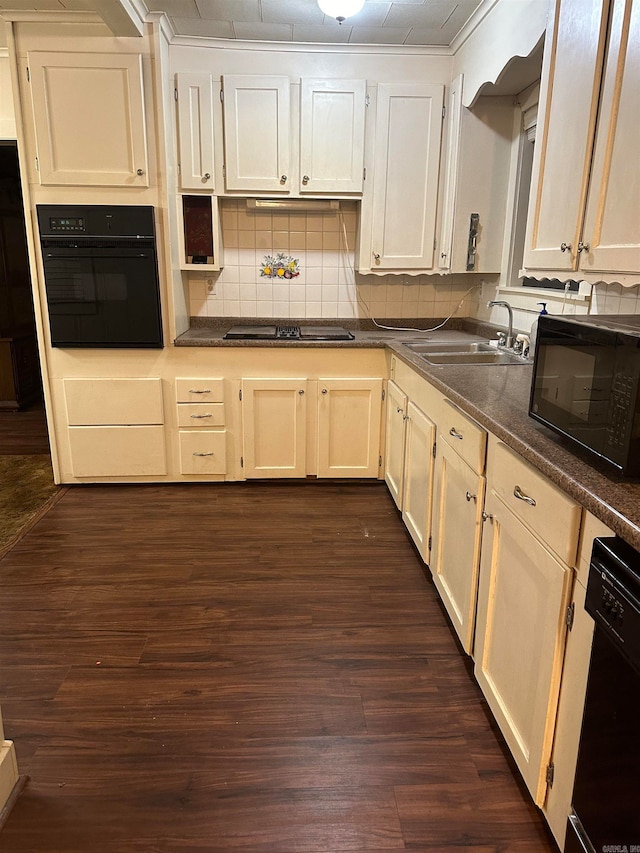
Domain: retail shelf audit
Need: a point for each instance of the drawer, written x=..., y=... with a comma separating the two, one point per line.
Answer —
x=199, y=390
x=203, y=452
x=467, y=437
x=543, y=507
x=113, y=401
x=200, y=415
x=117, y=451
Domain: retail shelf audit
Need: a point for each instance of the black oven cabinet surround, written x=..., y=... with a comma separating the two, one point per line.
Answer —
x=101, y=275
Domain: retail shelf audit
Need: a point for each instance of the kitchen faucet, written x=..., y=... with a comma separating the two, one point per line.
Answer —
x=509, y=341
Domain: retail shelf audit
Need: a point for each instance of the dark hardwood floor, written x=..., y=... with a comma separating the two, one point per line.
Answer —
x=24, y=432
x=250, y=667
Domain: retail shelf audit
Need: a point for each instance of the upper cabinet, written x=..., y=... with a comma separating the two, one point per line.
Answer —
x=475, y=182
x=586, y=172
x=332, y=135
x=256, y=133
x=88, y=111
x=262, y=129
x=399, y=215
x=194, y=93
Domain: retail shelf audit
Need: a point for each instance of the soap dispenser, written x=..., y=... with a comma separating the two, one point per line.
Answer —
x=534, y=330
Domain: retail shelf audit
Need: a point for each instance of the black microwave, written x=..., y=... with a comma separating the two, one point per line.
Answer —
x=586, y=383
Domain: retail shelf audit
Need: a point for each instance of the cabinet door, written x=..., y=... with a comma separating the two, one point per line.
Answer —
x=450, y=177
x=569, y=101
x=395, y=441
x=256, y=133
x=405, y=182
x=274, y=418
x=520, y=639
x=88, y=111
x=418, y=477
x=117, y=451
x=332, y=135
x=349, y=427
x=457, y=537
x=612, y=224
x=195, y=131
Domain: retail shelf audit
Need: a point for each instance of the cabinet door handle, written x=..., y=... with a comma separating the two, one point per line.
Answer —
x=565, y=247
x=301, y=391
x=140, y=172
x=201, y=453
x=471, y=497
x=583, y=247
x=305, y=179
x=324, y=391
x=518, y=493
x=283, y=179
x=201, y=416
x=200, y=391
x=454, y=432
x=486, y=515
x=376, y=257
x=206, y=176
x=399, y=410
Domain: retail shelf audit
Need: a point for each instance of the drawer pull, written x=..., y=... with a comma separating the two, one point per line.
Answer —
x=518, y=493
x=200, y=391
x=471, y=497
x=454, y=432
x=202, y=453
x=201, y=416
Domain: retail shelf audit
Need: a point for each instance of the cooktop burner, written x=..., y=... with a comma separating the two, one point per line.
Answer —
x=293, y=333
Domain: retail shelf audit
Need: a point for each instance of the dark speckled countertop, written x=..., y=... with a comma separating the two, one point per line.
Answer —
x=495, y=396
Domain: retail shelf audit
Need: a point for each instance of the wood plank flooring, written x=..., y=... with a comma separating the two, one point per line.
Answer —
x=243, y=667
x=24, y=432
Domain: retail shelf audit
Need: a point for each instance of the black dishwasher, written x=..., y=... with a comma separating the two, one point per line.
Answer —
x=606, y=798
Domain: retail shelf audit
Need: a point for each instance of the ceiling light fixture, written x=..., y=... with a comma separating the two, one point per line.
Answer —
x=340, y=9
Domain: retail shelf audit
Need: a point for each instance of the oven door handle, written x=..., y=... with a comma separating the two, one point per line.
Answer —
x=108, y=257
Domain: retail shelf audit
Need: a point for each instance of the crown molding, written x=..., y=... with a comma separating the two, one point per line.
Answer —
x=312, y=47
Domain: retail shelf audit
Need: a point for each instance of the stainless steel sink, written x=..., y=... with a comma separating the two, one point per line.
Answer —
x=492, y=357
x=473, y=352
x=473, y=346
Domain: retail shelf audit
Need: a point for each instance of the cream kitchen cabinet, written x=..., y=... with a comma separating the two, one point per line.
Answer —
x=201, y=433
x=349, y=412
x=195, y=93
x=115, y=427
x=526, y=577
x=408, y=465
x=586, y=182
x=458, y=519
x=89, y=118
x=274, y=418
x=399, y=213
x=264, y=129
x=475, y=183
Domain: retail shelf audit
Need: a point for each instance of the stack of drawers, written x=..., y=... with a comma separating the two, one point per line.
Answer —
x=201, y=431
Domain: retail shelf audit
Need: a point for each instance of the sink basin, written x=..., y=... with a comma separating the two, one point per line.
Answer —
x=485, y=357
x=473, y=346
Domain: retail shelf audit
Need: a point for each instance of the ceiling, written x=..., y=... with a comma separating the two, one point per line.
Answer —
x=411, y=22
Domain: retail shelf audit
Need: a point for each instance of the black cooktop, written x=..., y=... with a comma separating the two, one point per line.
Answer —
x=291, y=333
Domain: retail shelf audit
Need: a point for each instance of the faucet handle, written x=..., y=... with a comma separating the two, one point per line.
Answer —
x=502, y=339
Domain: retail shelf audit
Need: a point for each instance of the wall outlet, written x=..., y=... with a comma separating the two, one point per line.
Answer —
x=211, y=286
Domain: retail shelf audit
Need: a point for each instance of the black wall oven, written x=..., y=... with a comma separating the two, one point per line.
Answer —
x=101, y=275
x=606, y=797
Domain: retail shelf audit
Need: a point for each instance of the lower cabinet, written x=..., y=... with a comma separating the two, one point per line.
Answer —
x=274, y=418
x=457, y=537
x=201, y=432
x=115, y=427
x=282, y=417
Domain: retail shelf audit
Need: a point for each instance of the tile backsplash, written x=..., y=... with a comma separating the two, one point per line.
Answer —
x=323, y=243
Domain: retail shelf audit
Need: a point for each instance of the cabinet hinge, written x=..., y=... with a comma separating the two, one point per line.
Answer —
x=571, y=612
x=224, y=171
x=379, y=461
x=175, y=93
x=551, y=769
x=364, y=174
x=383, y=394
x=37, y=165
x=242, y=461
x=444, y=110
x=429, y=543
x=221, y=96
x=28, y=75
x=367, y=100
x=433, y=450
x=240, y=394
